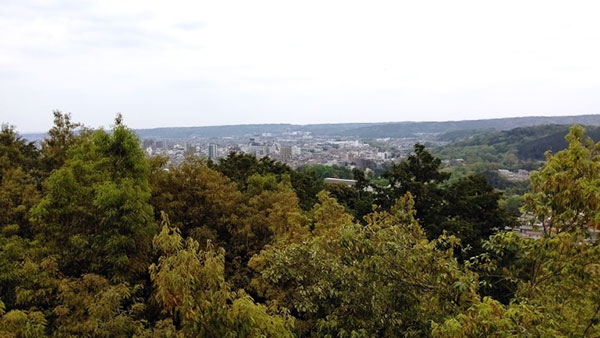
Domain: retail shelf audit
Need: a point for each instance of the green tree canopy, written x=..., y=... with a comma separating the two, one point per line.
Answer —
x=190, y=284
x=350, y=280
x=95, y=213
x=565, y=192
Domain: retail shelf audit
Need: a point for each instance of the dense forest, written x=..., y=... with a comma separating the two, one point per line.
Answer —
x=99, y=240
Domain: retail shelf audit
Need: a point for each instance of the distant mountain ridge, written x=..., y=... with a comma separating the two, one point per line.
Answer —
x=363, y=130
x=369, y=130
x=409, y=129
x=246, y=129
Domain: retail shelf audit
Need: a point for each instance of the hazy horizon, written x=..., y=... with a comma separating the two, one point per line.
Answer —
x=107, y=125
x=235, y=62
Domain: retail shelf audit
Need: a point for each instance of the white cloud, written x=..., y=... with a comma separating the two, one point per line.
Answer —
x=225, y=62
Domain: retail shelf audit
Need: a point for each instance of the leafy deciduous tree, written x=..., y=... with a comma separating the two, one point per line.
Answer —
x=190, y=284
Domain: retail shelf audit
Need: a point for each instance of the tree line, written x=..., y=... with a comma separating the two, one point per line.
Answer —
x=99, y=240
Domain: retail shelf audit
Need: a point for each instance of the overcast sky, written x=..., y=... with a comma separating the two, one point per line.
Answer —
x=191, y=63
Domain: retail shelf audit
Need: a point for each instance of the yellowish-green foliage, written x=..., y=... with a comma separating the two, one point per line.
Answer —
x=190, y=285
x=270, y=213
x=243, y=260
x=201, y=201
x=558, y=291
x=328, y=215
x=22, y=324
x=272, y=209
x=365, y=280
x=565, y=192
x=61, y=137
x=95, y=213
x=28, y=275
x=18, y=193
x=91, y=307
x=18, y=186
x=206, y=205
x=555, y=279
x=37, y=281
x=16, y=152
x=489, y=318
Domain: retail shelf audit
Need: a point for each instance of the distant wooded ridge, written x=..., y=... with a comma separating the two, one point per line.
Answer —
x=514, y=149
x=362, y=130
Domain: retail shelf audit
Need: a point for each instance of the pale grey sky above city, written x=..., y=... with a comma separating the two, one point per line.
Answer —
x=195, y=63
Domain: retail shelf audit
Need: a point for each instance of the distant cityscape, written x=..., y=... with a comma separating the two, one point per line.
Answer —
x=295, y=148
x=351, y=145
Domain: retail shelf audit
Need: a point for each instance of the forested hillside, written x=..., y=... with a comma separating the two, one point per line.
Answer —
x=98, y=240
x=516, y=148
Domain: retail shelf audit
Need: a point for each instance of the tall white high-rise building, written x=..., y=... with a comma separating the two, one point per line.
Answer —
x=285, y=153
x=213, y=151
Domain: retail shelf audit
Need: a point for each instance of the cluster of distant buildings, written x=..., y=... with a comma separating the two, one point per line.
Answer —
x=532, y=228
x=535, y=231
x=520, y=175
x=294, y=148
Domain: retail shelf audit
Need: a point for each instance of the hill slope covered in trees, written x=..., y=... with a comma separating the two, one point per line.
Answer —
x=524, y=144
x=98, y=240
